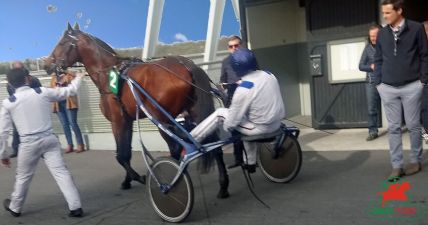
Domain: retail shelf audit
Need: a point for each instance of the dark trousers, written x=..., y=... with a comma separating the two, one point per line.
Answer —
x=238, y=146
x=373, y=101
x=68, y=117
x=424, y=108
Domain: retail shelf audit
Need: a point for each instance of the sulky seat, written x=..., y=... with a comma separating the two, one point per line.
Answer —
x=262, y=137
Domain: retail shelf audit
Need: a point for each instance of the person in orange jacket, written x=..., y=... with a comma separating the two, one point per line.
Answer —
x=67, y=113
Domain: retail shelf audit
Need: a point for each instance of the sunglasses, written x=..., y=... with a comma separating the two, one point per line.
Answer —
x=234, y=46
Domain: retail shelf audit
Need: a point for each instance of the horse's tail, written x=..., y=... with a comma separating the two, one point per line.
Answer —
x=202, y=107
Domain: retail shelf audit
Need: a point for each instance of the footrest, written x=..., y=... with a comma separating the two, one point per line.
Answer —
x=262, y=137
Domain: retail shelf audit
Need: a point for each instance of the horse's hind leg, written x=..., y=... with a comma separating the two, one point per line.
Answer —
x=222, y=173
x=174, y=147
x=123, y=136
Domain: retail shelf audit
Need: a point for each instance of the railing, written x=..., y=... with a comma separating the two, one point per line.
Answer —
x=90, y=117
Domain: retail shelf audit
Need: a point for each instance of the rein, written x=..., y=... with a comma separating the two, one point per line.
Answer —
x=178, y=76
x=58, y=68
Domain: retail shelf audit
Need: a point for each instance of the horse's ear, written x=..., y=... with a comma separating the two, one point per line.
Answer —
x=69, y=28
x=76, y=26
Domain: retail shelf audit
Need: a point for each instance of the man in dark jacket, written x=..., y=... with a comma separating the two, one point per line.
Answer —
x=401, y=72
x=33, y=83
x=229, y=79
x=426, y=27
x=373, y=99
x=424, y=104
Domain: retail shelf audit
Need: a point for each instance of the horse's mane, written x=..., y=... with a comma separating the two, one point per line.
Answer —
x=107, y=47
x=101, y=43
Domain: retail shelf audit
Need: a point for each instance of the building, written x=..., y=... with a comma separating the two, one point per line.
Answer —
x=291, y=36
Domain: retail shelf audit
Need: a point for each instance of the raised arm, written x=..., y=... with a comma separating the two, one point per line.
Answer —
x=61, y=93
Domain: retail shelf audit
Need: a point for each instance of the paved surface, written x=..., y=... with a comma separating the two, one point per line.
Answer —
x=310, y=139
x=333, y=187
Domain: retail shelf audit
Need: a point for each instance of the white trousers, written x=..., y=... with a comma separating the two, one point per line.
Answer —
x=47, y=148
x=215, y=120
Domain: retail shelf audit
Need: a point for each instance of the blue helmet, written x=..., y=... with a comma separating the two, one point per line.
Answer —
x=243, y=61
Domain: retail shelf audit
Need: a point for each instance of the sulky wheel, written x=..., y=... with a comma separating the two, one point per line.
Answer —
x=285, y=167
x=175, y=205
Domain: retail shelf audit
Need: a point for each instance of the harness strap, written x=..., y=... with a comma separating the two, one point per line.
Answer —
x=179, y=59
x=175, y=74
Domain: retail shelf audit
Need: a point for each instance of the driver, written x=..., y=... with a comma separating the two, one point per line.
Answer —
x=257, y=106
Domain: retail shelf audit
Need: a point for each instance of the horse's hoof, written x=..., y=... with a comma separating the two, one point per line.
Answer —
x=223, y=194
x=125, y=186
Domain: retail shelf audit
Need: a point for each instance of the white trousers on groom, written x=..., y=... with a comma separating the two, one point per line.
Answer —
x=48, y=148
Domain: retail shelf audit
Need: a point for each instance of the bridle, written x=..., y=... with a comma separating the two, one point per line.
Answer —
x=58, y=65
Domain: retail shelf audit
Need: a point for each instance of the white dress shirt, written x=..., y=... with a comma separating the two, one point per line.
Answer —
x=31, y=112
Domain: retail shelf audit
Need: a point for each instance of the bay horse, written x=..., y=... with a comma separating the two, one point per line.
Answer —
x=176, y=83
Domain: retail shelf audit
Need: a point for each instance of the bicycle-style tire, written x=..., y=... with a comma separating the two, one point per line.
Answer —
x=175, y=205
x=286, y=166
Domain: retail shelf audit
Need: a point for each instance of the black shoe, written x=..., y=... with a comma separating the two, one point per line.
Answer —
x=236, y=164
x=250, y=168
x=372, y=136
x=76, y=213
x=6, y=204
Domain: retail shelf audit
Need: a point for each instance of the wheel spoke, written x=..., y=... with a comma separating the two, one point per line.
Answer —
x=171, y=195
x=286, y=165
x=177, y=203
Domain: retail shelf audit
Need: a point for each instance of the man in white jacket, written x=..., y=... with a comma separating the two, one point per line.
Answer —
x=30, y=110
x=257, y=106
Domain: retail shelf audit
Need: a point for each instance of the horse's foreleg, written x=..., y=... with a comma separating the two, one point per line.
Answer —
x=123, y=138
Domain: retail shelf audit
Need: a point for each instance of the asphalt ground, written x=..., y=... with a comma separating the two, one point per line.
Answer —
x=333, y=187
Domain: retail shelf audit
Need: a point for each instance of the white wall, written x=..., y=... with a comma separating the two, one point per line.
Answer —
x=276, y=24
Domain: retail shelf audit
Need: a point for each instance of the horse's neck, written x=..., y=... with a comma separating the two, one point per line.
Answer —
x=98, y=68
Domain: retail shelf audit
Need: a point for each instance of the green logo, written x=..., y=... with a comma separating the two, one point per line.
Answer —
x=113, y=81
x=395, y=202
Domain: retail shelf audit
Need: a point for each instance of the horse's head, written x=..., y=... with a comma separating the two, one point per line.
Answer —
x=65, y=53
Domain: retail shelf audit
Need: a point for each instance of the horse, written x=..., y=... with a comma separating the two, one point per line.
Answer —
x=175, y=82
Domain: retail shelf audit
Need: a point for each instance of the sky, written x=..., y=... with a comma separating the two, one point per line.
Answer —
x=31, y=28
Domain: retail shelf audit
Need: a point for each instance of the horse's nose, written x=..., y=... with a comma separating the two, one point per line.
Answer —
x=48, y=60
x=47, y=63
x=50, y=69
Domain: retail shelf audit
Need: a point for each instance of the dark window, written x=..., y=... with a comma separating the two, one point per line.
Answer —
x=416, y=10
x=340, y=13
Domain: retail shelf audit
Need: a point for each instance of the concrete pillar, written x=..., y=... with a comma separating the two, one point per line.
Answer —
x=213, y=32
x=154, y=18
x=235, y=4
